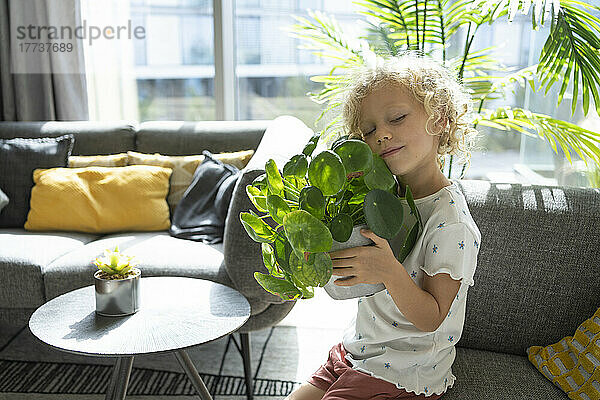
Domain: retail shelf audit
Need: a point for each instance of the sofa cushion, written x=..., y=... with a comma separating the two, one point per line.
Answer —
x=184, y=167
x=18, y=158
x=100, y=199
x=537, y=260
x=496, y=376
x=23, y=259
x=91, y=137
x=110, y=160
x=574, y=362
x=183, y=138
x=201, y=213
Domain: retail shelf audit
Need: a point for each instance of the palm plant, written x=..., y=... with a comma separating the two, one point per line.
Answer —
x=571, y=53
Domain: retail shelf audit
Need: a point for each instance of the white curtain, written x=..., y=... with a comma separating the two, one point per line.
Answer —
x=109, y=63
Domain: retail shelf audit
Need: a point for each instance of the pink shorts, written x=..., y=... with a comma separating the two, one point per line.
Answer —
x=340, y=382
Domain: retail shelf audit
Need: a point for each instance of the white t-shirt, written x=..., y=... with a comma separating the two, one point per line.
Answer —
x=380, y=340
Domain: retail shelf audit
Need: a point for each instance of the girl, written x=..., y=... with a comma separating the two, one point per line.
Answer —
x=401, y=344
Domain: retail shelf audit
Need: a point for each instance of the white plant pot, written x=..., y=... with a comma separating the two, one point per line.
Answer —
x=117, y=297
x=361, y=289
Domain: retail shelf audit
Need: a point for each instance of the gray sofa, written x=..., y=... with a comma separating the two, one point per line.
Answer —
x=38, y=266
x=536, y=280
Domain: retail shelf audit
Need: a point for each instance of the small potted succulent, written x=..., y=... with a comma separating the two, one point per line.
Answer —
x=116, y=284
x=315, y=205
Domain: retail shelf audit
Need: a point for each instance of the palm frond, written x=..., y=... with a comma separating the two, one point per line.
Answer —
x=568, y=135
x=573, y=45
x=325, y=37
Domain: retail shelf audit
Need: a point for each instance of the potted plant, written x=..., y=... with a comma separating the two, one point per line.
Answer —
x=314, y=206
x=116, y=284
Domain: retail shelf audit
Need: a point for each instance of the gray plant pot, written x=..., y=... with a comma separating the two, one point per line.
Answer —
x=358, y=290
x=117, y=297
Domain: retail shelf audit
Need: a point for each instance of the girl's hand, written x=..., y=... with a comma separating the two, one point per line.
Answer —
x=365, y=264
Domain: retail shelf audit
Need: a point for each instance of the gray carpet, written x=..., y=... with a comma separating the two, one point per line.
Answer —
x=30, y=369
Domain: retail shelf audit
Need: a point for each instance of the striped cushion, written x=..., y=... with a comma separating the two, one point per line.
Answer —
x=110, y=160
x=573, y=364
x=184, y=167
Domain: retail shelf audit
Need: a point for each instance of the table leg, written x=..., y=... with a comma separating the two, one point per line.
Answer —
x=190, y=370
x=120, y=379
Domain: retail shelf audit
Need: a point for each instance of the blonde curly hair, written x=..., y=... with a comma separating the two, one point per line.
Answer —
x=432, y=85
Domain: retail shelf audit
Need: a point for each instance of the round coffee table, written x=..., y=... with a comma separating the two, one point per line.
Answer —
x=175, y=313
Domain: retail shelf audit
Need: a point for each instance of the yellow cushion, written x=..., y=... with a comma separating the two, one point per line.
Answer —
x=100, y=199
x=111, y=160
x=184, y=167
x=573, y=364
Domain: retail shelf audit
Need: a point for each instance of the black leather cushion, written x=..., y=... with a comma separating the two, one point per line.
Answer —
x=18, y=158
x=201, y=213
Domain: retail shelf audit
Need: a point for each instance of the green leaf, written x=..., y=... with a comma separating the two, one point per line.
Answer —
x=326, y=171
x=274, y=179
x=409, y=242
x=283, y=250
x=411, y=203
x=380, y=177
x=277, y=207
x=356, y=155
x=257, y=229
x=383, y=212
x=257, y=198
x=341, y=227
x=269, y=260
x=315, y=273
x=306, y=233
x=276, y=286
x=297, y=166
x=311, y=199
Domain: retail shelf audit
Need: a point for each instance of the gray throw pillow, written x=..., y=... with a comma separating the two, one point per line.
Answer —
x=18, y=158
x=3, y=200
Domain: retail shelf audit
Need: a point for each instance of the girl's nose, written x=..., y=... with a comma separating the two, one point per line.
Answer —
x=383, y=133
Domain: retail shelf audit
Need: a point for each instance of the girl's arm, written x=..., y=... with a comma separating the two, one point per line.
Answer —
x=426, y=308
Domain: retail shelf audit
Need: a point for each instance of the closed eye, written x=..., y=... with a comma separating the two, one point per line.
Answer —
x=399, y=118
x=368, y=133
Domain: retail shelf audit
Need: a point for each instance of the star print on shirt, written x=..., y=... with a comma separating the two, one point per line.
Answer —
x=387, y=365
x=395, y=324
x=435, y=248
x=461, y=244
x=451, y=202
x=441, y=225
x=476, y=244
x=451, y=339
x=436, y=199
x=464, y=212
x=413, y=274
x=362, y=349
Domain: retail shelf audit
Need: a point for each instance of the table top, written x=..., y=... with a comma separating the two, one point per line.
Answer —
x=175, y=313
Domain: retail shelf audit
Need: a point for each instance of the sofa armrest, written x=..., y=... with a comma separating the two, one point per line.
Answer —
x=243, y=255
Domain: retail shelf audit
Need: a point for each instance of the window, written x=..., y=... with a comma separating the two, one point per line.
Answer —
x=174, y=72
x=175, y=64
